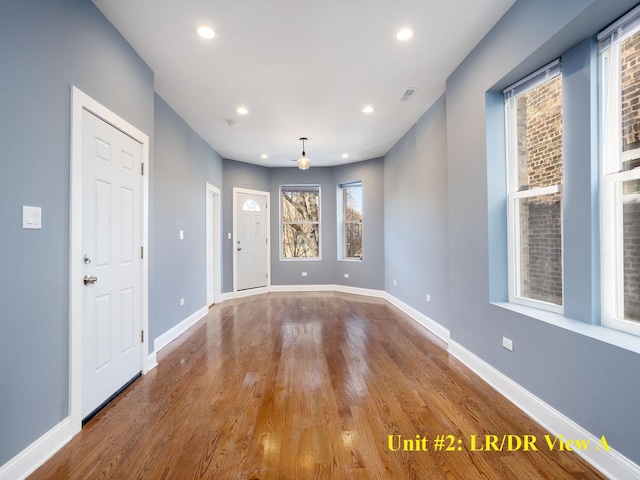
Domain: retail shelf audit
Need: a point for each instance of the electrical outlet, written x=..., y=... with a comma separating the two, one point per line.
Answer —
x=181, y=234
x=346, y=275
x=181, y=302
x=428, y=297
x=508, y=344
x=229, y=235
x=304, y=274
x=395, y=282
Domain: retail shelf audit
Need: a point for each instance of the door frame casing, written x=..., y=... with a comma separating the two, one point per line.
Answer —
x=212, y=234
x=79, y=102
x=236, y=191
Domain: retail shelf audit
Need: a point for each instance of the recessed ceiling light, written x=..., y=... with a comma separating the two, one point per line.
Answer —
x=206, y=32
x=368, y=109
x=264, y=156
x=242, y=110
x=345, y=155
x=404, y=34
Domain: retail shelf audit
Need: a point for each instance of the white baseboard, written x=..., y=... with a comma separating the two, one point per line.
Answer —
x=611, y=463
x=150, y=362
x=174, y=332
x=250, y=292
x=366, y=292
x=27, y=461
x=226, y=296
x=303, y=288
x=419, y=317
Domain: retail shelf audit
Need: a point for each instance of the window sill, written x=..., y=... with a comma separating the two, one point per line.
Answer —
x=357, y=260
x=611, y=336
x=301, y=259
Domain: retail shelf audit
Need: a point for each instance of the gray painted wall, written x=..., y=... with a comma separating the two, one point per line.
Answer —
x=592, y=382
x=445, y=157
x=45, y=48
x=580, y=186
x=182, y=165
x=237, y=175
x=368, y=273
x=416, y=230
x=319, y=272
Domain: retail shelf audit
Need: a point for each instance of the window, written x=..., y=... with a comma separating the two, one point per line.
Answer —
x=300, y=213
x=250, y=206
x=620, y=182
x=533, y=115
x=350, y=213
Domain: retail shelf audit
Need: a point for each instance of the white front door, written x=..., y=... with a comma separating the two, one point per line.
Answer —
x=251, y=240
x=112, y=265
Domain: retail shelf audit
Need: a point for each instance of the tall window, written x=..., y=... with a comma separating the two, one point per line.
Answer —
x=533, y=109
x=350, y=211
x=620, y=159
x=300, y=213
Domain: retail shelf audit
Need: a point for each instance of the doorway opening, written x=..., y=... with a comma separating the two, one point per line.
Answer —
x=212, y=227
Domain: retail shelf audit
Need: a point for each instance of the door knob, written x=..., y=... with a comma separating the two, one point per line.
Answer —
x=90, y=280
x=239, y=248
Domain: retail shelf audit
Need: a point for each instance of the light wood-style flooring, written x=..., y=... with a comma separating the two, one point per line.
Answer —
x=306, y=386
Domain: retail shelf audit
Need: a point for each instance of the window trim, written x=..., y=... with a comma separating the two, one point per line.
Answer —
x=282, y=223
x=510, y=95
x=342, y=241
x=613, y=251
x=513, y=241
x=612, y=176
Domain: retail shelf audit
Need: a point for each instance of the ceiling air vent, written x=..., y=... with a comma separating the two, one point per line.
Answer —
x=408, y=94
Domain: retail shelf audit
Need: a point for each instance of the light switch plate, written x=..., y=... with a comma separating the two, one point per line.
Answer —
x=31, y=217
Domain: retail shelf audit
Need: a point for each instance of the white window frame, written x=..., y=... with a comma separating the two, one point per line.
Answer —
x=514, y=196
x=342, y=210
x=612, y=178
x=319, y=223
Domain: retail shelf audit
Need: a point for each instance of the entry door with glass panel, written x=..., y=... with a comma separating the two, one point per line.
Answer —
x=251, y=240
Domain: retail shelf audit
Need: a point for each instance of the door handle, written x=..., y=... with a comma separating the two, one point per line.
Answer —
x=90, y=280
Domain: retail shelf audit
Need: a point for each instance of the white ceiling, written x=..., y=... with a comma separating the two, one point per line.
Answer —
x=304, y=68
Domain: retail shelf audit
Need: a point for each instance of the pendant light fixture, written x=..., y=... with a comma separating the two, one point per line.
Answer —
x=303, y=162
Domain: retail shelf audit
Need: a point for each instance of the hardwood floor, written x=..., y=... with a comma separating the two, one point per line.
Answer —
x=307, y=386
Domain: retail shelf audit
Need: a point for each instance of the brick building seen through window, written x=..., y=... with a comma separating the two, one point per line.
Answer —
x=539, y=157
x=630, y=112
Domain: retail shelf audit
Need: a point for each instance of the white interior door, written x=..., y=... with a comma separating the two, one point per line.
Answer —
x=251, y=240
x=112, y=265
